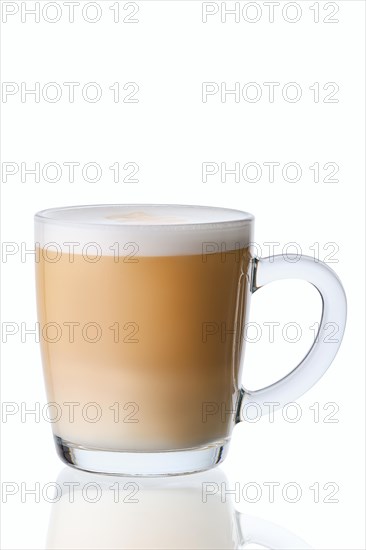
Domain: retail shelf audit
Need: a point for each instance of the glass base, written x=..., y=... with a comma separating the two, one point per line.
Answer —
x=126, y=463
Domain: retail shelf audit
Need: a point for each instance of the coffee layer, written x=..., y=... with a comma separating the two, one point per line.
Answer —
x=148, y=351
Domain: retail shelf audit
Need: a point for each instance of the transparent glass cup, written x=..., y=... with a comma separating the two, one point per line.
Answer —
x=142, y=310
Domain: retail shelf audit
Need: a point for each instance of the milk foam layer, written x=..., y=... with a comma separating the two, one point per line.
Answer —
x=149, y=230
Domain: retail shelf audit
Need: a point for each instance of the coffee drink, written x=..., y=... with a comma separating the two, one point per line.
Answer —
x=141, y=310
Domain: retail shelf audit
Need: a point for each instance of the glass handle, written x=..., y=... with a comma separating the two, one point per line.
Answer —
x=324, y=348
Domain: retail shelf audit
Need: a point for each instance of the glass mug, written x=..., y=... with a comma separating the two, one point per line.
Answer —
x=142, y=310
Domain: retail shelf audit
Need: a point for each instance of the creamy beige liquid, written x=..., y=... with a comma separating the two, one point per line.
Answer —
x=142, y=342
x=142, y=353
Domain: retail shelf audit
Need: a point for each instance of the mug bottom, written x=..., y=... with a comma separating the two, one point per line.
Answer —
x=144, y=464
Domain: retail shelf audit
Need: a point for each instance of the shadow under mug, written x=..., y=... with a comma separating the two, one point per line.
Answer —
x=142, y=310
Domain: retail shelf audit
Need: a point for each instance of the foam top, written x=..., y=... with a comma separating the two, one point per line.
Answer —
x=153, y=229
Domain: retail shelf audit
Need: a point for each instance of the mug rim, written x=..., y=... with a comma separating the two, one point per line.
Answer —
x=47, y=216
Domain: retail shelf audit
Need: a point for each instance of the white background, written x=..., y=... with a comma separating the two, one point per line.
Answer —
x=169, y=133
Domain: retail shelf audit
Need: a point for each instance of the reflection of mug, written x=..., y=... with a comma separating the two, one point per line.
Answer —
x=195, y=512
x=142, y=311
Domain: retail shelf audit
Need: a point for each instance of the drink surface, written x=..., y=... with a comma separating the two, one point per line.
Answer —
x=153, y=230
